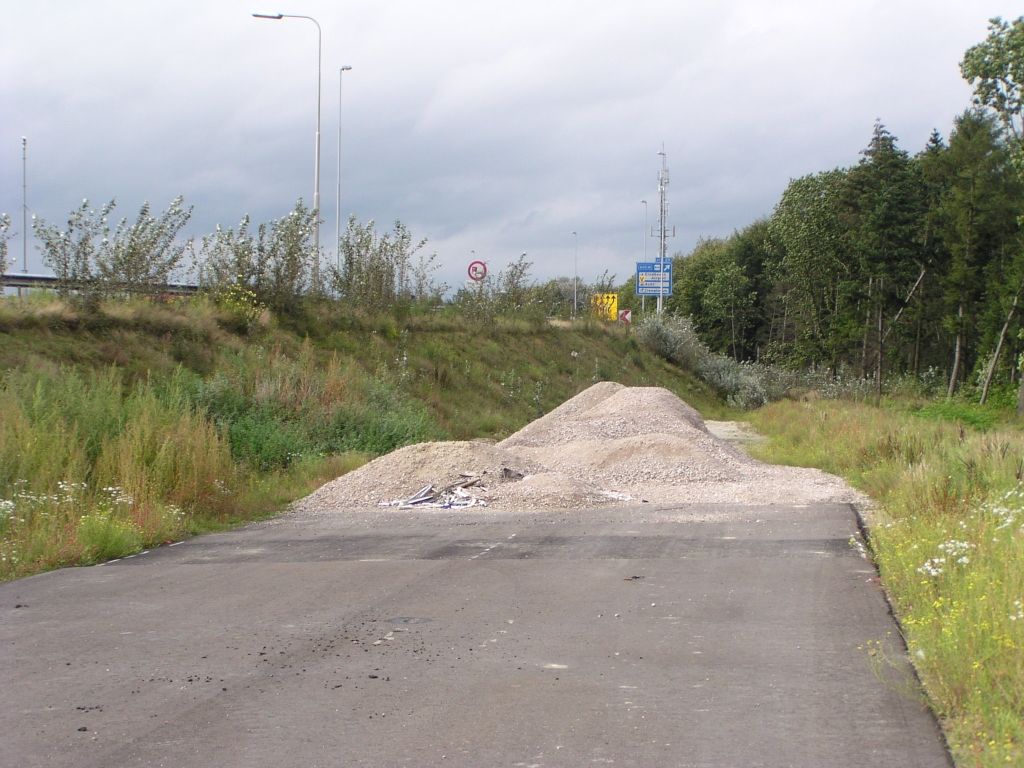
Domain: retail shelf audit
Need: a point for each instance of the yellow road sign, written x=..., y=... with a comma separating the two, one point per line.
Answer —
x=605, y=306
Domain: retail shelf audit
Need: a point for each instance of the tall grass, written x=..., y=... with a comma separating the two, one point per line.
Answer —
x=91, y=469
x=277, y=408
x=94, y=465
x=948, y=538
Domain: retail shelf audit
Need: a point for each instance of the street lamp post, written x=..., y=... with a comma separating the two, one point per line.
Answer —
x=316, y=171
x=337, y=216
x=24, y=207
x=575, y=272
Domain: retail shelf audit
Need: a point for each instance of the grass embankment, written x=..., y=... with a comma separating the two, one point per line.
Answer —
x=142, y=423
x=949, y=541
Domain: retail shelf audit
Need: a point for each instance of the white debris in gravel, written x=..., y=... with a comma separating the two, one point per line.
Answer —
x=608, y=445
x=399, y=474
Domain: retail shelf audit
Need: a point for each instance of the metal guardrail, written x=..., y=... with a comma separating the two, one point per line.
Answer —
x=22, y=280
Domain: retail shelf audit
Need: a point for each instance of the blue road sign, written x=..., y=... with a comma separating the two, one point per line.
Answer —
x=651, y=280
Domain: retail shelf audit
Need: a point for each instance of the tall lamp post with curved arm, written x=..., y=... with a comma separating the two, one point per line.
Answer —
x=316, y=171
x=337, y=213
x=575, y=271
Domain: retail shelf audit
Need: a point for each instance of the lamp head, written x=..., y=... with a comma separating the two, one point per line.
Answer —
x=275, y=16
x=346, y=68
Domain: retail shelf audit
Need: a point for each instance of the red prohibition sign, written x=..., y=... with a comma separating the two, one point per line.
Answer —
x=477, y=270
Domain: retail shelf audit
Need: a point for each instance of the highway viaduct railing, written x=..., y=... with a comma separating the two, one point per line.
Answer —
x=21, y=280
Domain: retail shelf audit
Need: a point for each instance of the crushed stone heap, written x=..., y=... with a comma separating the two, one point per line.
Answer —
x=609, y=411
x=401, y=473
x=608, y=445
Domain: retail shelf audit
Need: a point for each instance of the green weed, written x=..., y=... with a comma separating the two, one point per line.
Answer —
x=105, y=536
x=958, y=411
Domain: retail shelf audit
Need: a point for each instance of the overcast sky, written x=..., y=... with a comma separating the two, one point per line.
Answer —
x=494, y=127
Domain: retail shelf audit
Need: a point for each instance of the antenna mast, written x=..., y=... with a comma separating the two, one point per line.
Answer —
x=663, y=231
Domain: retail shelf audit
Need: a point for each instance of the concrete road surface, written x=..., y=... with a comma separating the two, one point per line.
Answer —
x=687, y=636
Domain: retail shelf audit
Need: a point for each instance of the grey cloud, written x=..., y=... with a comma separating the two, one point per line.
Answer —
x=494, y=127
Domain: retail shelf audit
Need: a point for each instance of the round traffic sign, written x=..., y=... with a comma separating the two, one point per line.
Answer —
x=477, y=270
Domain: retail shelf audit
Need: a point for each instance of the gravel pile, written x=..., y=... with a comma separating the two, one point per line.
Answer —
x=630, y=461
x=551, y=490
x=608, y=445
x=609, y=411
x=401, y=473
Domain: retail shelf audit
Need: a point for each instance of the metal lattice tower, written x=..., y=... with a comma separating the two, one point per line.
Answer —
x=663, y=230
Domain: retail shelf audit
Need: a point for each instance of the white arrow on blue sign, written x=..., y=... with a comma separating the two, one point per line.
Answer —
x=652, y=280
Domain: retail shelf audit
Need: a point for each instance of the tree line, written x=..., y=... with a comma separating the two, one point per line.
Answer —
x=902, y=264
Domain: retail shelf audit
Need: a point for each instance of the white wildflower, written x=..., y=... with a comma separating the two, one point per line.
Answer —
x=954, y=547
x=1019, y=615
x=932, y=567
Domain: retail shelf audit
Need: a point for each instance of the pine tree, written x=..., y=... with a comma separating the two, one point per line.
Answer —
x=885, y=199
x=974, y=217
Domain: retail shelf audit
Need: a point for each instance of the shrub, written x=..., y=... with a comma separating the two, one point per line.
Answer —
x=675, y=339
x=5, y=229
x=376, y=273
x=241, y=306
x=278, y=264
x=92, y=262
x=747, y=385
